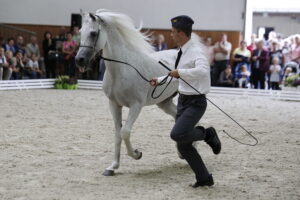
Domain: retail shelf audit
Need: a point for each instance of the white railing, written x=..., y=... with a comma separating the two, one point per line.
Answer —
x=286, y=94
x=293, y=95
x=27, y=84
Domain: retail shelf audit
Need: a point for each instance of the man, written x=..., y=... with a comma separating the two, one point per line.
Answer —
x=222, y=51
x=33, y=47
x=20, y=45
x=193, y=67
x=260, y=65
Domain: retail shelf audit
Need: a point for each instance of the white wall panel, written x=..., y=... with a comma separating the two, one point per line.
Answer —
x=208, y=14
x=282, y=24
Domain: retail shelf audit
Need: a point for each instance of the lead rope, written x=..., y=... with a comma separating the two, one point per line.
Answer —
x=143, y=77
x=165, y=80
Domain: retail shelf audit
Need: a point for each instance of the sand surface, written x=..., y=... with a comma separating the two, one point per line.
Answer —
x=55, y=144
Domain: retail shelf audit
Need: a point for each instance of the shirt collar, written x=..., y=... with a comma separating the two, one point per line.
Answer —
x=186, y=46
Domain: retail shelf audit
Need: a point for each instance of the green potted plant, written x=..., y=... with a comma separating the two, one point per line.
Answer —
x=65, y=82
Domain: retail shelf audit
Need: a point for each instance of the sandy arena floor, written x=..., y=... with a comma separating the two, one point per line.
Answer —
x=54, y=145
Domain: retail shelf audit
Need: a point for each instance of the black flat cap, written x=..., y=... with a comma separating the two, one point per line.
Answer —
x=182, y=22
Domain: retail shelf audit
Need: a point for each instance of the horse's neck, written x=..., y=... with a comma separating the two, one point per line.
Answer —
x=117, y=49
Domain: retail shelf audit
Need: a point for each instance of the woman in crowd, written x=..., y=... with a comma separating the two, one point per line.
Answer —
x=49, y=55
x=69, y=50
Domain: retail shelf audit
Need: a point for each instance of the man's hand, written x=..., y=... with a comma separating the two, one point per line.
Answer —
x=153, y=82
x=174, y=73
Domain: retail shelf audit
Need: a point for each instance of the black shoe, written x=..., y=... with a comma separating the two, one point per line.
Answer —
x=208, y=182
x=213, y=140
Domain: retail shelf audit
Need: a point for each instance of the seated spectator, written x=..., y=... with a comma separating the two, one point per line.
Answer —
x=226, y=78
x=19, y=46
x=222, y=51
x=10, y=60
x=33, y=48
x=69, y=50
x=242, y=76
x=18, y=66
x=241, y=55
x=160, y=45
x=10, y=46
x=275, y=69
x=32, y=69
x=5, y=71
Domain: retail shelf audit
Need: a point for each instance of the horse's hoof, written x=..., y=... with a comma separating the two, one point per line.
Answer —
x=108, y=173
x=138, y=153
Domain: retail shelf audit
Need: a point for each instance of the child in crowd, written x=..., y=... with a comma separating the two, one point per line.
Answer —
x=244, y=76
x=32, y=68
x=275, y=73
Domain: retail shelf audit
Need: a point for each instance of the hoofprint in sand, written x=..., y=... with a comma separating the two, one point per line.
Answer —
x=55, y=144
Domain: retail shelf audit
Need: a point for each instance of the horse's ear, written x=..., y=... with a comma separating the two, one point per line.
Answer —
x=92, y=16
x=81, y=12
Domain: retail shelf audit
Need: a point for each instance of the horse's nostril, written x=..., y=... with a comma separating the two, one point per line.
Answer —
x=79, y=60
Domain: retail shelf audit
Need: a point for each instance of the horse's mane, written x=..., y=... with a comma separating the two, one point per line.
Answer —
x=124, y=24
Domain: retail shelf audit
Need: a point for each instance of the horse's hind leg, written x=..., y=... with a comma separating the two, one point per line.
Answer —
x=134, y=112
x=116, y=112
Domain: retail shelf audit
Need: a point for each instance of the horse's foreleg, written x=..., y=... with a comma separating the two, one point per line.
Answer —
x=116, y=112
x=134, y=112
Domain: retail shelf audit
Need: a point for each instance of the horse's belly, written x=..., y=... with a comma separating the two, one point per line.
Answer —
x=124, y=96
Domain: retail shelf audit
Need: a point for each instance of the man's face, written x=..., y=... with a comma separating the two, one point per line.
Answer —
x=260, y=44
x=33, y=40
x=243, y=45
x=175, y=34
x=224, y=38
x=20, y=40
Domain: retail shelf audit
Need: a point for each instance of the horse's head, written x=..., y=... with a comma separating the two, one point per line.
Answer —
x=93, y=39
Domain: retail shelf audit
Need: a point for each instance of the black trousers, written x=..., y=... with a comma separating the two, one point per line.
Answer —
x=190, y=109
x=50, y=68
x=258, y=76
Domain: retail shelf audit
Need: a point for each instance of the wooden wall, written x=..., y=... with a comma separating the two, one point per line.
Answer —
x=233, y=36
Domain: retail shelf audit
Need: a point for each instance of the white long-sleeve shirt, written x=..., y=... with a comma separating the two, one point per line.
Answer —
x=194, y=68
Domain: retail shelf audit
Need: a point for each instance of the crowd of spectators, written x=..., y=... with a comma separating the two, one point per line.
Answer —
x=25, y=61
x=263, y=64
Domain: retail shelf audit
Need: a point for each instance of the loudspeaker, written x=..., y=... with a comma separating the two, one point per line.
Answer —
x=76, y=20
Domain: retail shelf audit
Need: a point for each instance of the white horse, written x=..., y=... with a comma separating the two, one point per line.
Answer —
x=114, y=35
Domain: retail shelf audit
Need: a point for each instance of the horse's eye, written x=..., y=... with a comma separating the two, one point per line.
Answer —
x=93, y=33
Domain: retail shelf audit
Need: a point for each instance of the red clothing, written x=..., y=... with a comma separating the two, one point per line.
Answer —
x=251, y=47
